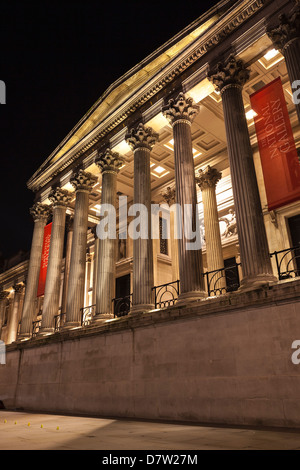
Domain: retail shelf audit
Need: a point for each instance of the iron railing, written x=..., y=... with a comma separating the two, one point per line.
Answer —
x=166, y=295
x=36, y=327
x=87, y=314
x=221, y=281
x=59, y=321
x=122, y=306
x=287, y=263
x=218, y=282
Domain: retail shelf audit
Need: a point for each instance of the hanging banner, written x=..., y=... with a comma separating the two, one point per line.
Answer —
x=278, y=153
x=44, y=260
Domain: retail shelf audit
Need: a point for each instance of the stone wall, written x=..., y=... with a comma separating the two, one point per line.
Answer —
x=225, y=360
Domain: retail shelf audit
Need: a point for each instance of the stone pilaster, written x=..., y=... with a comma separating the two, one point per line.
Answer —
x=229, y=79
x=109, y=164
x=3, y=302
x=60, y=200
x=180, y=112
x=286, y=38
x=141, y=140
x=83, y=183
x=207, y=182
x=40, y=214
x=13, y=321
x=169, y=196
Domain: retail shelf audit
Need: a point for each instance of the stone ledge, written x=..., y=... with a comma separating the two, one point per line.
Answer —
x=281, y=293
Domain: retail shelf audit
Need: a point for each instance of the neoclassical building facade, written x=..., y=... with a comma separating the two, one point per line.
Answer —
x=180, y=127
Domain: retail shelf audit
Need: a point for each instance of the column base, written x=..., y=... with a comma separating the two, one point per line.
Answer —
x=45, y=331
x=250, y=283
x=23, y=336
x=141, y=308
x=71, y=325
x=188, y=297
x=101, y=317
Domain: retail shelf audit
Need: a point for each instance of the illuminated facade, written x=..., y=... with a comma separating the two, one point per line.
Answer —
x=178, y=127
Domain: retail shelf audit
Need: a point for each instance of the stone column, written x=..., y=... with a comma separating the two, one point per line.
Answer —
x=286, y=38
x=87, y=302
x=141, y=140
x=40, y=215
x=83, y=183
x=95, y=264
x=13, y=322
x=180, y=112
x=109, y=164
x=229, y=79
x=60, y=200
x=170, y=198
x=69, y=228
x=207, y=182
x=3, y=301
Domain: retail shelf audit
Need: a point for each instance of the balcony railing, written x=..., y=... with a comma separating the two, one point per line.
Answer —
x=59, y=321
x=218, y=282
x=87, y=314
x=221, y=281
x=166, y=295
x=36, y=327
x=287, y=263
x=122, y=306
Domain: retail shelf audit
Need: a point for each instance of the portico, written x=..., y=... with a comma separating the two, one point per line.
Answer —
x=193, y=120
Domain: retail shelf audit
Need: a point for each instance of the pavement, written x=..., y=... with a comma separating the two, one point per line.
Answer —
x=34, y=431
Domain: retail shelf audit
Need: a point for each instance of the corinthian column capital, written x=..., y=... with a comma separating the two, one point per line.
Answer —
x=141, y=137
x=60, y=197
x=109, y=162
x=40, y=211
x=231, y=73
x=3, y=295
x=19, y=288
x=180, y=109
x=83, y=181
x=208, y=178
x=287, y=31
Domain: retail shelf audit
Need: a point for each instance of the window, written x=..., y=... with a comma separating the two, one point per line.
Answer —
x=163, y=230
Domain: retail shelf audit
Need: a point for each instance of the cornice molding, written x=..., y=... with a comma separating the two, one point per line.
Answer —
x=220, y=30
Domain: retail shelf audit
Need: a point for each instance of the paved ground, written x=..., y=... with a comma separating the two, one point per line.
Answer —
x=74, y=433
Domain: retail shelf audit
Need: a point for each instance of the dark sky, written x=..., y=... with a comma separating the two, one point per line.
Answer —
x=57, y=58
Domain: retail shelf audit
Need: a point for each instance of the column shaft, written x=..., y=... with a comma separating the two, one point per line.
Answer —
x=109, y=163
x=53, y=280
x=190, y=261
x=105, y=287
x=13, y=322
x=75, y=297
x=40, y=213
x=286, y=38
x=141, y=140
x=255, y=257
x=292, y=60
x=142, y=248
x=67, y=268
x=3, y=303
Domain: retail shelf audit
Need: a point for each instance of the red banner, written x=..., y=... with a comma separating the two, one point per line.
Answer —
x=277, y=147
x=44, y=260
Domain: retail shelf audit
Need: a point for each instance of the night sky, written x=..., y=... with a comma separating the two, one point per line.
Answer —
x=57, y=58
